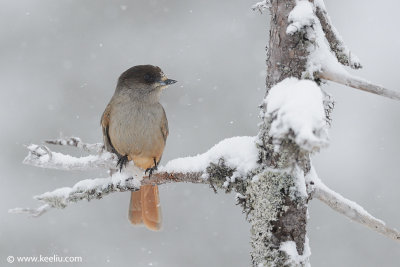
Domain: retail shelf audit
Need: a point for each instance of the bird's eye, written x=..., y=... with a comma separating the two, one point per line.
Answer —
x=148, y=78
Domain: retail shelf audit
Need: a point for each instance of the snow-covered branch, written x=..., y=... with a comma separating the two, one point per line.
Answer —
x=328, y=53
x=348, y=208
x=347, y=79
x=261, y=6
x=77, y=142
x=129, y=180
x=342, y=52
x=224, y=166
x=42, y=156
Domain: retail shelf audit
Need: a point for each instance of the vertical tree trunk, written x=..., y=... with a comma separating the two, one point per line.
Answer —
x=278, y=213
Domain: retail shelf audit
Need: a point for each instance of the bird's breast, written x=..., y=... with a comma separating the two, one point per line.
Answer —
x=135, y=129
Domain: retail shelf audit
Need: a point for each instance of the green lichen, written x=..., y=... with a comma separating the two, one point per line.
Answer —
x=266, y=197
x=219, y=175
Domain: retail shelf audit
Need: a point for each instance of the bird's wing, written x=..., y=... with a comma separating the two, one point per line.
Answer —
x=105, y=123
x=164, y=125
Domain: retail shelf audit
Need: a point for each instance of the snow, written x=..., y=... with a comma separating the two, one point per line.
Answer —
x=261, y=6
x=300, y=182
x=43, y=157
x=354, y=60
x=300, y=17
x=296, y=106
x=320, y=4
x=321, y=57
x=348, y=207
x=289, y=247
x=62, y=195
x=238, y=152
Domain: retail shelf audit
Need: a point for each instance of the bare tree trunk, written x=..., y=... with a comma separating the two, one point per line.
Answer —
x=277, y=214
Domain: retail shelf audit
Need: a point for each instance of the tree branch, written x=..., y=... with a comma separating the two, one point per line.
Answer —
x=42, y=156
x=357, y=83
x=342, y=52
x=77, y=142
x=348, y=208
x=326, y=62
x=261, y=6
x=224, y=166
x=100, y=187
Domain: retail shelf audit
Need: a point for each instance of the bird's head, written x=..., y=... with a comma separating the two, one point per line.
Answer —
x=144, y=80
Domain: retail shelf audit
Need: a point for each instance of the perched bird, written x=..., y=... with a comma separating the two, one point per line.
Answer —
x=135, y=128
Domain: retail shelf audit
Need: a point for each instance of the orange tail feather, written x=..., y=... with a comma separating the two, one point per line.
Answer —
x=145, y=207
x=135, y=208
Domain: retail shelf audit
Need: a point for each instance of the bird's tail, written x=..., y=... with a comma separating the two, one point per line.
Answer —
x=145, y=208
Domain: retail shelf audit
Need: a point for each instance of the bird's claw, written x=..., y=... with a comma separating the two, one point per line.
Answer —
x=152, y=169
x=122, y=161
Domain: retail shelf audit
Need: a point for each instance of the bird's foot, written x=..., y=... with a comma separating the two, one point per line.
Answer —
x=152, y=169
x=122, y=161
x=155, y=164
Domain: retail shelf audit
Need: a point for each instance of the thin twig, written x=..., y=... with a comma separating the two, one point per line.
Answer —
x=261, y=6
x=358, y=83
x=42, y=156
x=352, y=210
x=77, y=142
x=33, y=212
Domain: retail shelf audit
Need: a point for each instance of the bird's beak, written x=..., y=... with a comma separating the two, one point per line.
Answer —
x=165, y=81
x=170, y=81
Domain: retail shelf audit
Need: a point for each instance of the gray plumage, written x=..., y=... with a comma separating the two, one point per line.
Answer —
x=134, y=122
x=135, y=127
x=138, y=124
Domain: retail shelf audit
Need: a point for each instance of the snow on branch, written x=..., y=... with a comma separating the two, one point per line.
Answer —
x=289, y=247
x=348, y=208
x=42, y=156
x=322, y=63
x=328, y=53
x=239, y=152
x=261, y=6
x=297, y=111
x=129, y=180
x=231, y=159
x=77, y=142
x=301, y=17
x=342, y=52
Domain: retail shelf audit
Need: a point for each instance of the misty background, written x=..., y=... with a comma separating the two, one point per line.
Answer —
x=60, y=61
